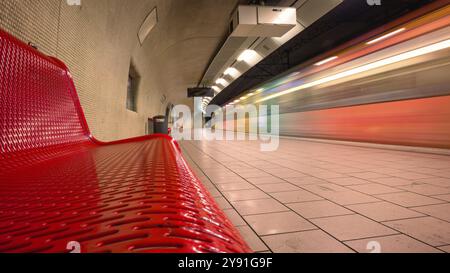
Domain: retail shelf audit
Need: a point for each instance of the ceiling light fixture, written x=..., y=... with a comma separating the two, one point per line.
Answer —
x=216, y=88
x=222, y=82
x=232, y=72
x=249, y=56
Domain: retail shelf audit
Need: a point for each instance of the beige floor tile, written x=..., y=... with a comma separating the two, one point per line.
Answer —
x=262, y=164
x=410, y=175
x=368, y=175
x=338, y=194
x=325, y=189
x=386, y=170
x=280, y=222
x=295, y=196
x=445, y=248
x=444, y=174
x=427, y=229
x=259, y=206
x=314, y=241
x=223, y=203
x=234, y=180
x=384, y=211
x=244, y=195
x=392, y=244
x=436, y=181
x=425, y=189
x=347, y=170
x=321, y=172
x=280, y=187
x=348, y=181
x=255, y=174
x=409, y=199
x=328, y=175
x=265, y=180
x=208, y=184
x=236, y=186
x=374, y=189
x=235, y=218
x=215, y=176
x=307, y=180
x=392, y=181
x=285, y=173
x=431, y=171
x=214, y=192
x=352, y=227
x=318, y=209
x=441, y=211
x=253, y=241
x=350, y=198
x=444, y=197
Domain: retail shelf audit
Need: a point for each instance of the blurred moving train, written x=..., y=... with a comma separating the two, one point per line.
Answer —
x=392, y=87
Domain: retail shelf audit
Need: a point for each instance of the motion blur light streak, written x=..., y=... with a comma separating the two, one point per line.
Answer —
x=326, y=61
x=419, y=122
x=386, y=36
x=391, y=60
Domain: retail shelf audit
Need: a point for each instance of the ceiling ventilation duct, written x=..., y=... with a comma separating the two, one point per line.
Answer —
x=262, y=21
x=249, y=26
x=257, y=31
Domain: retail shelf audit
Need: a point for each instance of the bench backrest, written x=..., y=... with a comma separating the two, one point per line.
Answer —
x=39, y=104
x=39, y=108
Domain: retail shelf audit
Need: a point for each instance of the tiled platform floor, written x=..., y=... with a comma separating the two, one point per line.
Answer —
x=328, y=197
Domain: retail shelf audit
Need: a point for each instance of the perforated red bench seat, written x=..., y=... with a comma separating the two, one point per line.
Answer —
x=59, y=185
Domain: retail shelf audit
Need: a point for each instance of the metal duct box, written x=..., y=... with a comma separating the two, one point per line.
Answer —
x=262, y=21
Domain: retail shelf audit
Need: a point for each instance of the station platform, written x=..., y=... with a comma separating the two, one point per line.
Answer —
x=314, y=197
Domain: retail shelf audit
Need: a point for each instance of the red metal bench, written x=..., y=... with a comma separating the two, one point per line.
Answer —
x=58, y=184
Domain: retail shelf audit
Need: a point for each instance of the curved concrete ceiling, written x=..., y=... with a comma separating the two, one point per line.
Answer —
x=184, y=41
